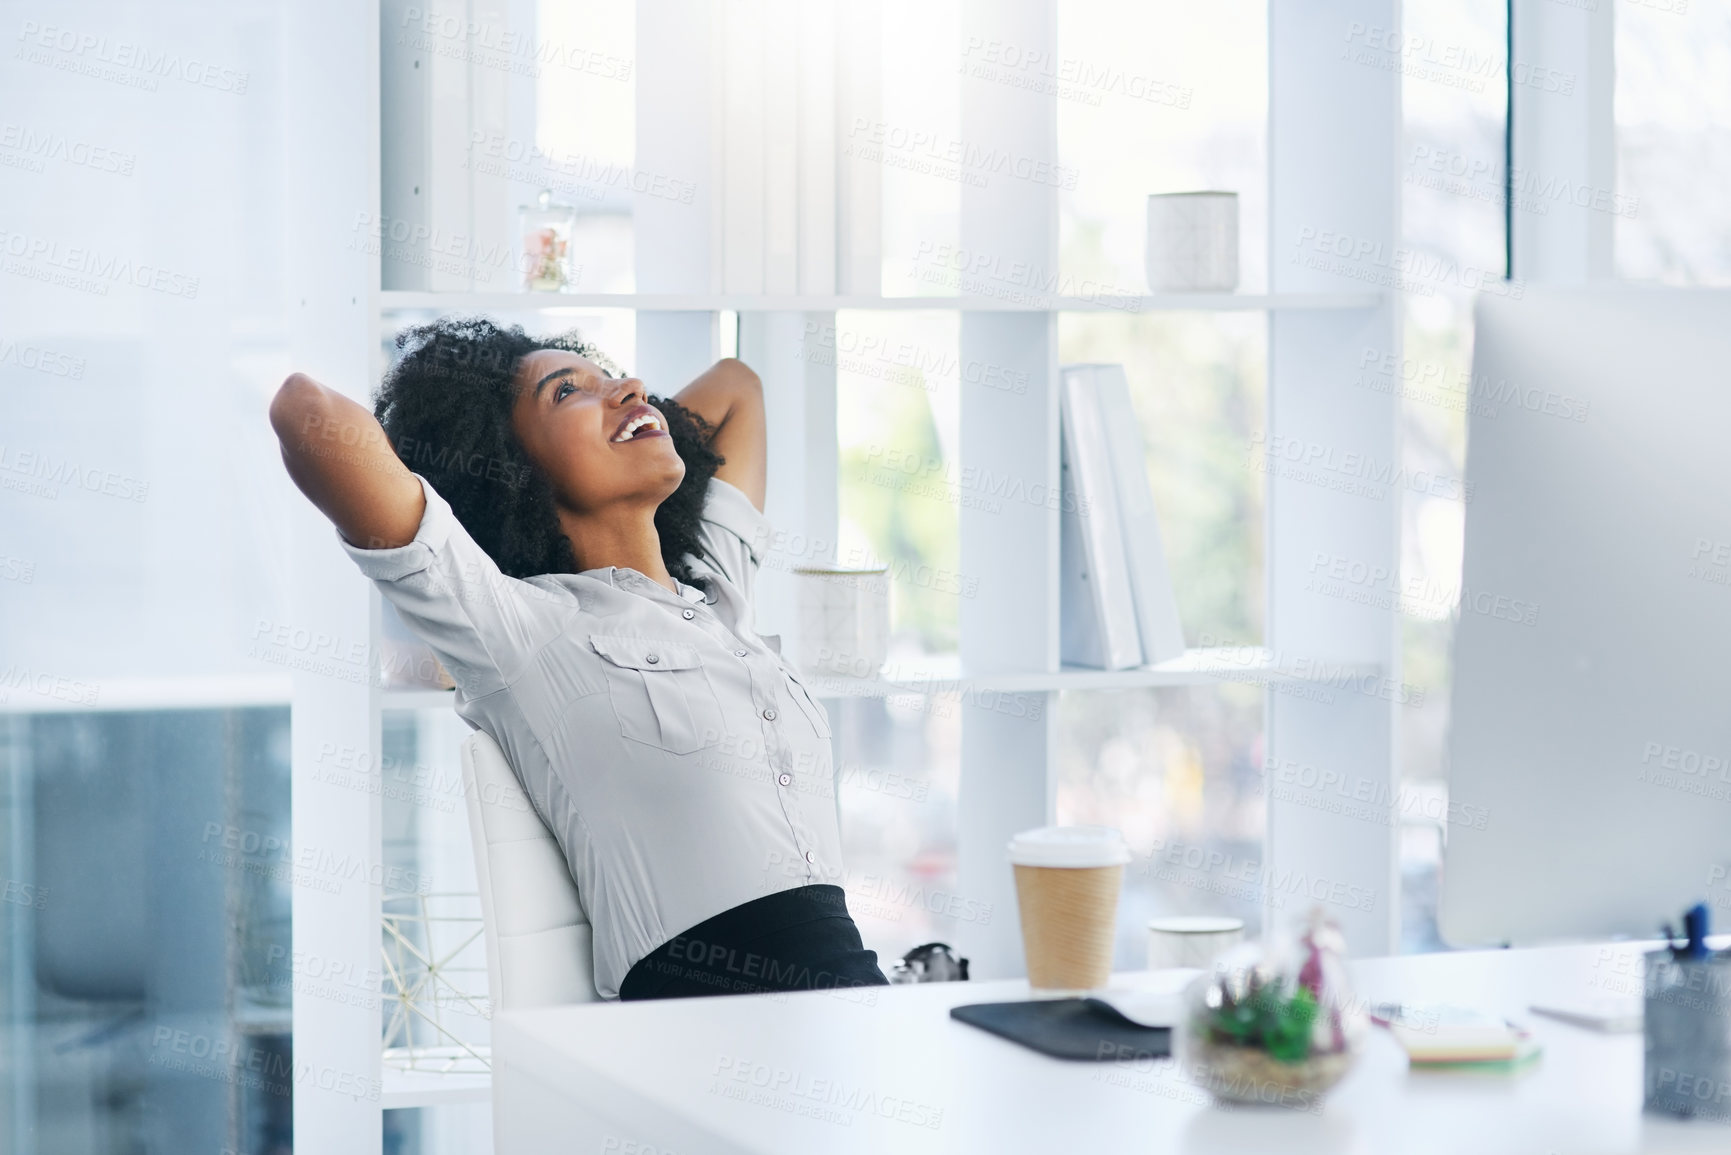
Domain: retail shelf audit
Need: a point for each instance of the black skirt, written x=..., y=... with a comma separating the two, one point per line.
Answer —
x=794, y=940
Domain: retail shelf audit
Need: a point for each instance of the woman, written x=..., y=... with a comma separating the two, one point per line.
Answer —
x=582, y=561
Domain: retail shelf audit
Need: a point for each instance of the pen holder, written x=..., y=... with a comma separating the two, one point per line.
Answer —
x=1688, y=1035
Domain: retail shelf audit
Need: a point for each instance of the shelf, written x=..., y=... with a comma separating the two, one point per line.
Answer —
x=57, y=695
x=402, y=1089
x=393, y=302
x=942, y=675
x=417, y=699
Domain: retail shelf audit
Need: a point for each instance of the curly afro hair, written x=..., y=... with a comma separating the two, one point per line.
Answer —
x=446, y=407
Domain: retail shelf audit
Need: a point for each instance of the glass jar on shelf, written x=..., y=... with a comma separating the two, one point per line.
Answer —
x=546, y=256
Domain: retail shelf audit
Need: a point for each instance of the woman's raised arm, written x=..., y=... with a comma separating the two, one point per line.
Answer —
x=340, y=457
x=730, y=397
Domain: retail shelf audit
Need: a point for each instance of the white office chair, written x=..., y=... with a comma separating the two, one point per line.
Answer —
x=539, y=944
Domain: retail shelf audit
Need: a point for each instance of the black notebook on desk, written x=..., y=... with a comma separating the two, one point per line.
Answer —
x=1068, y=1029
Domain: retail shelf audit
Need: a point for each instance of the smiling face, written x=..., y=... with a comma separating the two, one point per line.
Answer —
x=594, y=437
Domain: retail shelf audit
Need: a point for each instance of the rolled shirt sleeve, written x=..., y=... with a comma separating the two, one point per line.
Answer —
x=480, y=622
x=735, y=535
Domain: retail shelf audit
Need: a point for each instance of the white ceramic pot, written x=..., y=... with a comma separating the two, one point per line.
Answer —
x=1193, y=242
x=1194, y=941
x=844, y=621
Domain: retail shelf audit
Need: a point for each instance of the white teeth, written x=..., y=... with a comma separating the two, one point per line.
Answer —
x=636, y=423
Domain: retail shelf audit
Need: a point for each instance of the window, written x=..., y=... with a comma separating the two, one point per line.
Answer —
x=146, y=875
x=1158, y=98
x=1452, y=170
x=1673, y=124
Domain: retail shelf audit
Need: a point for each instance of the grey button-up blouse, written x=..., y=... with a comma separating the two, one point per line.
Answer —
x=682, y=766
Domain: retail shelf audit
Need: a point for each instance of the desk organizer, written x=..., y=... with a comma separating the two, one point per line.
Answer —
x=1688, y=1032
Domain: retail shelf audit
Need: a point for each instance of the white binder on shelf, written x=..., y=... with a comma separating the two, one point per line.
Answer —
x=1099, y=396
x=1097, y=618
x=1150, y=578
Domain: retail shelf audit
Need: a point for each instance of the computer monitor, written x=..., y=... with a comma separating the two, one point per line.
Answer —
x=1590, y=757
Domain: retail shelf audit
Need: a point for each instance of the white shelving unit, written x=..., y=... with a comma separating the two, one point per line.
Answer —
x=723, y=118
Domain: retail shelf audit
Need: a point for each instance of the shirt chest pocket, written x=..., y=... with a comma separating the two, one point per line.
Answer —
x=660, y=693
x=808, y=705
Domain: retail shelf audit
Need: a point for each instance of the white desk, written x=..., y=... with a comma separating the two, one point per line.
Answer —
x=875, y=1075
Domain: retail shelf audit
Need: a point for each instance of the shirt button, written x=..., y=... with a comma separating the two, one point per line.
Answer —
x=810, y=857
x=769, y=715
x=688, y=614
x=739, y=653
x=653, y=658
x=786, y=779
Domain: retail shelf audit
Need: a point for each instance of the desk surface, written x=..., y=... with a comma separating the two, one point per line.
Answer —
x=887, y=1069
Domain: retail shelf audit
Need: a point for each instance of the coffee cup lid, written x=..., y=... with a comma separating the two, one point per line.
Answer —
x=1070, y=846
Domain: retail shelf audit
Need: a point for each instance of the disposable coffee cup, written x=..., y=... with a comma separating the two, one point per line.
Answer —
x=1191, y=941
x=1067, y=883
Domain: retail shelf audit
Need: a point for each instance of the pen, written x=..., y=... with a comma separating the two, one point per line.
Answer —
x=1694, y=934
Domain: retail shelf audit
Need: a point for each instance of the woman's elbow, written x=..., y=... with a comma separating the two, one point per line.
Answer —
x=743, y=390
x=296, y=407
x=741, y=377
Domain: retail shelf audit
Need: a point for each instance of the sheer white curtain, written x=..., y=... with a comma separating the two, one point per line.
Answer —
x=142, y=314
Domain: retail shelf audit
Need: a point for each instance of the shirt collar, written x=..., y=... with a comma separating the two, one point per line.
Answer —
x=601, y=574
x=623, y=577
